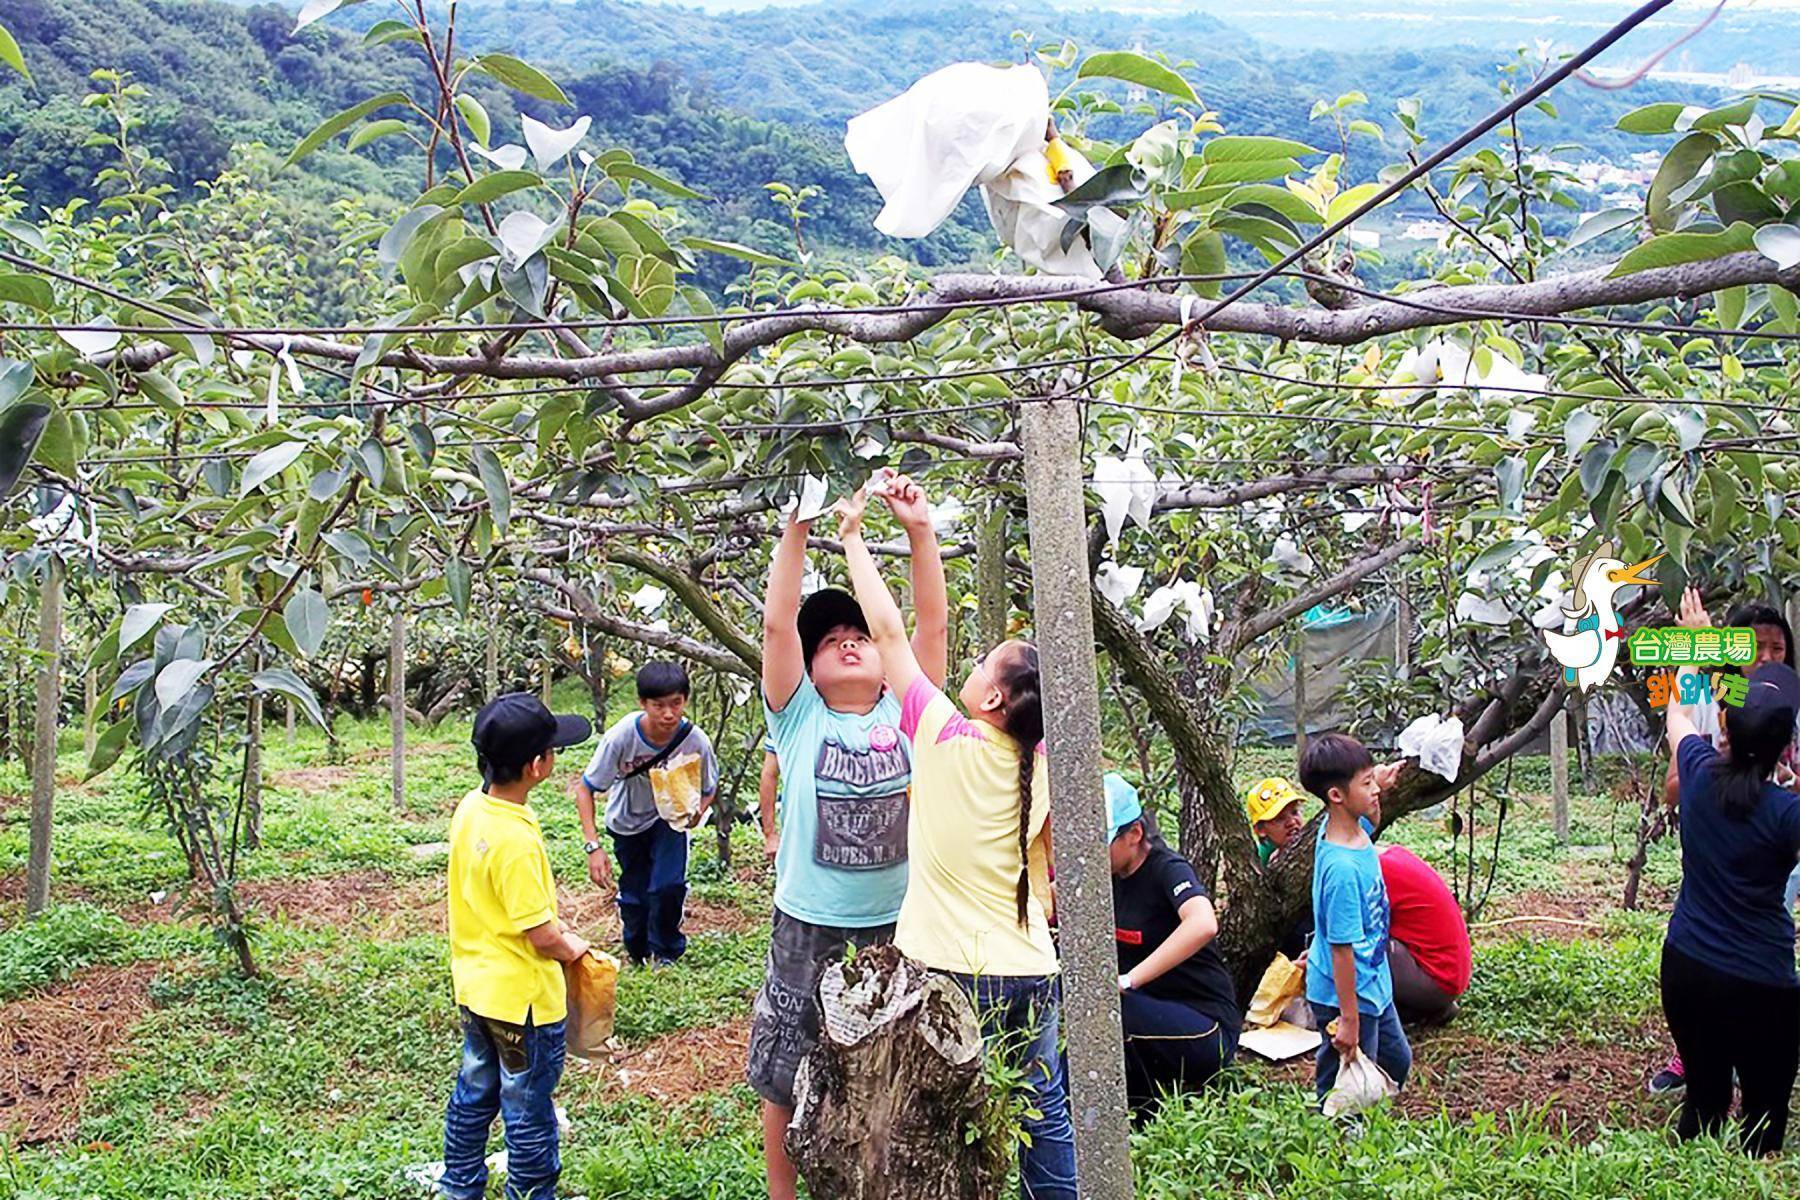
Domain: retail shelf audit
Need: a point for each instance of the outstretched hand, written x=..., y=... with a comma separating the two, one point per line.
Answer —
x=850, y=512
x=1693, y=613
x=906, y=500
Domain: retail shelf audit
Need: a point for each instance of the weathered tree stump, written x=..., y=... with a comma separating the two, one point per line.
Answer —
x=893, y=1104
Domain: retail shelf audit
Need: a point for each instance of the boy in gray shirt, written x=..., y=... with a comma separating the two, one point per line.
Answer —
x=653, y=853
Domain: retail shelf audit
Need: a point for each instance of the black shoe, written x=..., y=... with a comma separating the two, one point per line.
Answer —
x=1667, y=1080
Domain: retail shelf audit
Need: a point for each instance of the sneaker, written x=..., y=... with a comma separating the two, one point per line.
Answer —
x=1670, y=1079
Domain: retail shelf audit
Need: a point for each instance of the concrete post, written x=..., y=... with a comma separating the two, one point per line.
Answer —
x=990, y=577
x=1055, y=498
x=491, y=680
x=1299, y=692
x=43, y=741
x=397, y=702
x=1559, y=775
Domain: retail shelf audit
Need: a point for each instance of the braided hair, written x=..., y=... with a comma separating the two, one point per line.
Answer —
x=1022, y=717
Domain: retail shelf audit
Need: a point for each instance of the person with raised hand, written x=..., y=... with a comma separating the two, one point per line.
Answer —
x=979, y=837
x=845, y=771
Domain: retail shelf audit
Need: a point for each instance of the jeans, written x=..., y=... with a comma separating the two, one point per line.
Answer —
x=1724, y=1023
x=1378, y=1035
x=1170, y=1047
x=652, y=891
x=1016, y=1006
x=509, y=1070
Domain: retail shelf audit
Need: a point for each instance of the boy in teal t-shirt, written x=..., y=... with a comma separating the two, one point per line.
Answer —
x=1347, y=976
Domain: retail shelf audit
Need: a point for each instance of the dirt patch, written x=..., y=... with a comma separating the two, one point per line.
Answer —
x=1579, y=1088
x=1542, y=914
x=54, y=1045
x=328, y=901
x=313, y=779
x=680, y=1066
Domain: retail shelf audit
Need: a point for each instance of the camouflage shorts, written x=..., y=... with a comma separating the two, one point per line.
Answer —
x=784, y=1026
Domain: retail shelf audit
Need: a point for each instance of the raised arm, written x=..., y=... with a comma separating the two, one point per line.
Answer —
x=931, y=599
x=784, y=665
x=885, y=624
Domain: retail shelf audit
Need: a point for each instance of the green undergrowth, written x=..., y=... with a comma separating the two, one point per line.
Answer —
x=1261, y=1141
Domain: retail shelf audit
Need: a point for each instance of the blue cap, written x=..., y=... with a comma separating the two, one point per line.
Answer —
x=1122, y=807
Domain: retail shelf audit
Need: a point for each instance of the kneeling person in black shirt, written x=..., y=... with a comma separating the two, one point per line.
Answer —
x=1180, y=1011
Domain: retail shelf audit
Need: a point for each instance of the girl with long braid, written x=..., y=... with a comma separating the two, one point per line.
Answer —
x=979, y=844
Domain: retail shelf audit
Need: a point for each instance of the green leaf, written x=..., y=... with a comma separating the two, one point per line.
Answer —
x=521, y=77
x=1679, y=167
x=57, y=449
x=307, y=619
x=734, y=250
x=374, y=130
x=701, y=305
x=476, y=117
x=1780, y=244
x=1601, y=224
x=497, y=487
x=139, y=620
x=20, y=428
x=1204, y=254
x=1496, y=556
x=1580, y=426
x=175, y=681
x=332, y=126
x=268, y=464
x=385, y=31
x=1730, y=114
x=456, y=581
x=9, y=53
x=280, y=679
x=1347, y=202
x=1276, y=199
x=1746, y=202
x=496, y=184
x=1673, y=249
x=1652, y=118
x=394, y=242
x=643, y=174
x=30, y=290
x=110, y=745
x=24, y=231
x=1135, y=68
x=1234, y=149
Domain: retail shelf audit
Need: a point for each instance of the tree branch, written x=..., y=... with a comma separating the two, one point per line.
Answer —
x=1343, y=581
x=583, y=610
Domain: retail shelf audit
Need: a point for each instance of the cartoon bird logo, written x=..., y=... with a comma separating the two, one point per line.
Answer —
x=1588, y=644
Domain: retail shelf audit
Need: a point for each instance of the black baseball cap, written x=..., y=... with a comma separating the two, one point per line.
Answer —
x=824, y=611
x=1773, y=686
x=514, y=729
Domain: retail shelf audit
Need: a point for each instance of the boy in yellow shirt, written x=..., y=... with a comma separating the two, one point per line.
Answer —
x=506, y=947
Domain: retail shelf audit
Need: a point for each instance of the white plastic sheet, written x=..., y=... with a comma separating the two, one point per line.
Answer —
x=1360, y=1085
x=964, y=126
x=1437, y=742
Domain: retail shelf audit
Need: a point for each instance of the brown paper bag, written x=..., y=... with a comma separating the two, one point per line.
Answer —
x=677, y=789
x=593, y=981
x=1281, y=984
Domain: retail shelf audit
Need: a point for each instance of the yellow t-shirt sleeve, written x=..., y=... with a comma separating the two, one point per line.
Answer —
x=521, y=881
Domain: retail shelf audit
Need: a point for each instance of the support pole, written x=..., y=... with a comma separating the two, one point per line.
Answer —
x=491, y=679
x=1065, y=623
x=90, y=716
x=1299, y=692
x=288, y=718
x=1559, y=775
x=43, y=742
x=253, y=733
x=990, y=576
x=397, y=702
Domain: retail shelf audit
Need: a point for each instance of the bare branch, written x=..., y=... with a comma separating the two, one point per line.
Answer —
x=581, y=609
x=1237, y=638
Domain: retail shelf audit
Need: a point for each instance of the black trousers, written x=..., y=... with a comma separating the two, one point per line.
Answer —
x=1724, y=1023
x=1170, y=1047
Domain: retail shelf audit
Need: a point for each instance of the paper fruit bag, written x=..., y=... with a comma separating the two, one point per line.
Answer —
x=1360, y=1084
x=1281, y=984
x=676, y=785
x=593, y=981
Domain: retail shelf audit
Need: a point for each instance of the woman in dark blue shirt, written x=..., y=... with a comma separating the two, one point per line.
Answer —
x=1728, y=983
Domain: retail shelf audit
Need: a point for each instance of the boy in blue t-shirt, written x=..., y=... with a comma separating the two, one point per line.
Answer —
x=1347, y=975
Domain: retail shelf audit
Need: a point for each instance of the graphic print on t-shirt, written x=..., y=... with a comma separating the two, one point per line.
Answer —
x=862, y=802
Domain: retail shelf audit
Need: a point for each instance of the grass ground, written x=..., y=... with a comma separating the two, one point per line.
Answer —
x=134, y=1065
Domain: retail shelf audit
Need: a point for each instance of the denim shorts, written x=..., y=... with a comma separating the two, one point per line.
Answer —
x=784, y=1025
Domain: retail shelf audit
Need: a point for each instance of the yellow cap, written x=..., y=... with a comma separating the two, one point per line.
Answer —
x=1266, y=800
